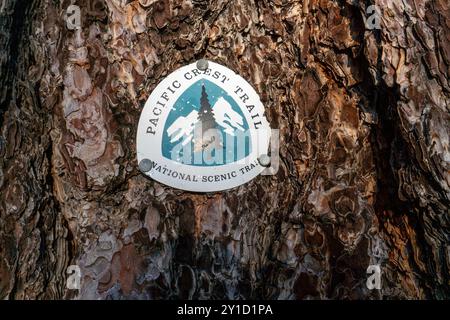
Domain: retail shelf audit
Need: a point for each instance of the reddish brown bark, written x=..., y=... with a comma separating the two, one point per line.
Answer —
x=364, y=128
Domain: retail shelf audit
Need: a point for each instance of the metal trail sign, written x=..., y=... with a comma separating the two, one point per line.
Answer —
x=203, y=129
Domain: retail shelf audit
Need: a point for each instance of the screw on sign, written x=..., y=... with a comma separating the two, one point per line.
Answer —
x=202, y=64
x=145, y=165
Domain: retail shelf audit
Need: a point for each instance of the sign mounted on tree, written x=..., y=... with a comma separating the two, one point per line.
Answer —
x=203, y=129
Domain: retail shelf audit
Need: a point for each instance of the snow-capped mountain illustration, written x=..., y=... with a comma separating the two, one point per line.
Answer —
x=228, y=119
x=205, y=123
x=183, y=127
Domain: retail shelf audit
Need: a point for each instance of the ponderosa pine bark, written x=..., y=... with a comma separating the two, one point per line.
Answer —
x=364, y=135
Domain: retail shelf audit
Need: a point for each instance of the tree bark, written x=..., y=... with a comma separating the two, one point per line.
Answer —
x=364, y=151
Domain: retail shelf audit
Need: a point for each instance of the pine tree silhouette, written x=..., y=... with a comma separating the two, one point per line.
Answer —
x=206, y=121
x=206, y=114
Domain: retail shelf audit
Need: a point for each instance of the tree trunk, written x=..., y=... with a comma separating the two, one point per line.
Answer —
x=364, y=151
